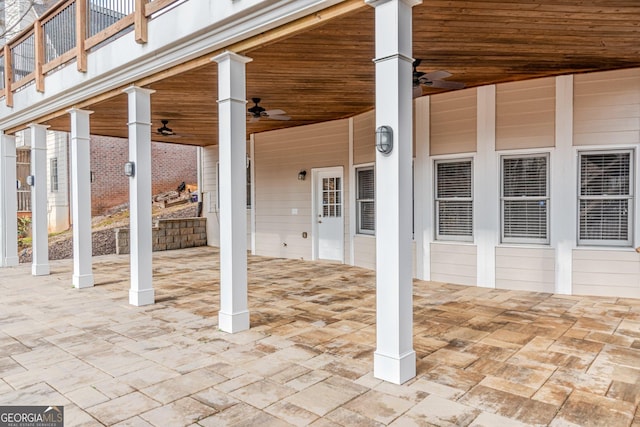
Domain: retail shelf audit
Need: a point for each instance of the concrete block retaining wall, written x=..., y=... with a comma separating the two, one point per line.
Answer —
x=169, y=234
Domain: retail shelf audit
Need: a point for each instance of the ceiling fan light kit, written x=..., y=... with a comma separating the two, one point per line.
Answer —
x=258, y=112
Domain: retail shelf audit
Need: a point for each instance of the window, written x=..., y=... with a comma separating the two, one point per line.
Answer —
x=525, y=199
x=365, y=200
x=53, y=174
x=605, y=198
x=454, y=200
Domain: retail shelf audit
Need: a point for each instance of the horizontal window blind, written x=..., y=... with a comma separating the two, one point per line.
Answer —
x=454, y=202
x=525, y=199
x=606, y=194
x=365, y=200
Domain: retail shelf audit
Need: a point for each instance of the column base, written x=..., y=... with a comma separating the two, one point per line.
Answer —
x=12, y=261
x=40, y=270
x=233, y=323
x=140, y=298
x=396, y=370
x=83, y=281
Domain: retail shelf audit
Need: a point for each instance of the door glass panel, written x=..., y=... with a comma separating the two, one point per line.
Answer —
x=331, y=197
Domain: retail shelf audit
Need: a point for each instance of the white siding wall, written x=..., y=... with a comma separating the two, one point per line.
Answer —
x=210, y=208
x=58, y=202
x=453, y=122
x=364, y=138
x=454, y=263
x=283, y=203
x=526, y=269
x=525, y=114
x=607, y=108
x=365, y=251
x=210, y=194
x=604, y=272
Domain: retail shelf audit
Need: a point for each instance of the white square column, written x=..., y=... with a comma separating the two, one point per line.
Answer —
x=394, y=359
x=234, y=312
x=81, y=203
x=39, y=213
x=140, y=237
x=8, y=202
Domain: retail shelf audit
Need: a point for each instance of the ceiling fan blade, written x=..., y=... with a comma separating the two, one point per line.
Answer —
x=279, y=117
x=443, y=84
x=437, y=75
x=269, y=113
x=417, y=91
x=254, y=119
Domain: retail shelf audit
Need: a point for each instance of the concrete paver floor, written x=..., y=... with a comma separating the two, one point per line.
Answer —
x=486, y=357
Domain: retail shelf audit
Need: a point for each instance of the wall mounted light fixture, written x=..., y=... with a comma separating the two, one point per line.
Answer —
x=31, y=180
x=384, y=139
x=130, y=169
x=302, y=175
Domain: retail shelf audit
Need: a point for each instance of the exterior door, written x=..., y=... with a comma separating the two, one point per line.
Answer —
x=328, y=214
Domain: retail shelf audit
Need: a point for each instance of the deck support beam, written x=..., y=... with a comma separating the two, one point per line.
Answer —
x=140, y=237
x=234, y=312
x=39, y=213
x=394, y=359
x=8, y=202
x=81, y=203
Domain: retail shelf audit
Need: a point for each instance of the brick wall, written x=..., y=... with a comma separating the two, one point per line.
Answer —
x=171, y=164
x=169, y=234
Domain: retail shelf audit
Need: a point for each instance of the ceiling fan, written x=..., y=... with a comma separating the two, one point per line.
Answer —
x=166, y=130
x=257, y=112
x=433, y=79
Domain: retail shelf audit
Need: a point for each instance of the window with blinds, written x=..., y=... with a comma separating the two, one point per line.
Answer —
x=525, y=199
x=605, y=198
x=365, y=200
x=454, y=200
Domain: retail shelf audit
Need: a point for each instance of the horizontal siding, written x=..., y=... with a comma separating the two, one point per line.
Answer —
x=364, y=138
x=525, y=114
x=526, y=269
x=451, y=263
x=279, y=156
x=606, y=273
x=607, y=108
x=453, y=122
x=365, y=251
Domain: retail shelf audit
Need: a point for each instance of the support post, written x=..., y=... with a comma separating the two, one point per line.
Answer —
x=234, y=313
x=394, y=359
x=81, y=203
x=140, y=237
x=8, y=202
x=486, y=189
x=39, y=217
x=140, y=21
x=81, y=35
x=563, y=195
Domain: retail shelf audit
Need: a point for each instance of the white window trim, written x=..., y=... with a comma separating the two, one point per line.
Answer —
x=631, y=236
x=359, y=231
x=436, y=216
x=522, y=154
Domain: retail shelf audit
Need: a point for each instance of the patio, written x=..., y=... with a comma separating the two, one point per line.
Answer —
x=486, y=357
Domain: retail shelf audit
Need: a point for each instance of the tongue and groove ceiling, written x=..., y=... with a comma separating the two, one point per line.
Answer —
x=326, y=72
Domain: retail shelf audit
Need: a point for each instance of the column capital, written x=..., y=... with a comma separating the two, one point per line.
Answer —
x=376, y=3
x=137, y=89
x=38, y=126
x=75, y=110
x=229, y=55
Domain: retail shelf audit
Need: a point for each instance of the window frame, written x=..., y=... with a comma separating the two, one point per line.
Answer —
x=437, y=200
x=546, y=199
x=54, y=184
x=359, y=229
x=631, y=199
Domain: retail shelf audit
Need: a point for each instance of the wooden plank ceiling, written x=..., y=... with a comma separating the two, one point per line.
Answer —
x=327, y=72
